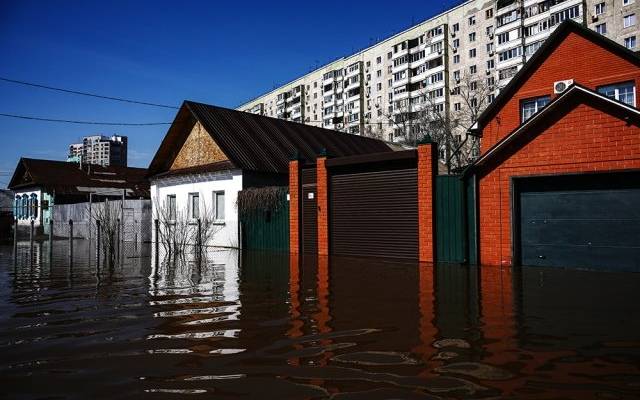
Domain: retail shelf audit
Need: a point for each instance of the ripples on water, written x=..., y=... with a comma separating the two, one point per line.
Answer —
x=268, y=326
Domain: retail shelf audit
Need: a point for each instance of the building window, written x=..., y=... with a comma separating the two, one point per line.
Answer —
x=456, y=27
x=472, y=37
x=630, y=42
x=488, y=13
x=16, y=208
x=34, y=206
x=171, y=207
x=601, y=28
x=472, y=53
x=456, y=58
x=531, y=106
x=600, y=8
x=379, y=60
x=472, y=20
x=473, y=69
x=194, y=205
x=25, y=206
x=627, y=2
x=623, y=92
x=629, y=20
x=218, y=205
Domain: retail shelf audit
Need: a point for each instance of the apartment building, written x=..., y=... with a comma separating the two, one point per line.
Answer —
x=480, y=42
x=100, y=150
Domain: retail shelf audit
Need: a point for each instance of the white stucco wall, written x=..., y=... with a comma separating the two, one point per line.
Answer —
x=205, y=184
x=38, y=219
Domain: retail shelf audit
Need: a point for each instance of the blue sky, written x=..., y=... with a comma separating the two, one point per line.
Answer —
x=164, y=52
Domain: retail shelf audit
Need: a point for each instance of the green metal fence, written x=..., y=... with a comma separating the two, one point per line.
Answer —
x=266, y=230
x=451, y=233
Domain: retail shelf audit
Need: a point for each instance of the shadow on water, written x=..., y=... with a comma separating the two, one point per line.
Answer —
x=260, y=325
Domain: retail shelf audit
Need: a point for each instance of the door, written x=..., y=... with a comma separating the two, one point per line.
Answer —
x=309, y=212
x=586, y=221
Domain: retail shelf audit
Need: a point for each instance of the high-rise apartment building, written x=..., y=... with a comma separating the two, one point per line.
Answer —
x=480, y=43
x=100, y=150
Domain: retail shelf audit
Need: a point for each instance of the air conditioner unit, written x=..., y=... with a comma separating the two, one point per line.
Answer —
x=594, y=18
x=560, y=86
x=439, y=52
x=453, y=34
x=491, y=54
x=455, y=50
x=491, y=36
x=488, y=72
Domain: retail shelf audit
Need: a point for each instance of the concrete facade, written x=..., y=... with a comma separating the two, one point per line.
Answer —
x=367, y=92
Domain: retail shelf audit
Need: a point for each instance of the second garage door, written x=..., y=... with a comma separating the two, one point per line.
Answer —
x=374, y=214
x=590, y=221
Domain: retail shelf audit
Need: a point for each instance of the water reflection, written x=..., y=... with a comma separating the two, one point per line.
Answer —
x=261, y=325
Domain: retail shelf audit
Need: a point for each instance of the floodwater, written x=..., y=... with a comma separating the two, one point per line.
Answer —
x=269, y=326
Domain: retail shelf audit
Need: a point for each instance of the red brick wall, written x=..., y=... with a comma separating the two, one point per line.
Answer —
x=586, y=139
x=426, y=234
x=575, y=58
x=323, y=204
x=294, y=207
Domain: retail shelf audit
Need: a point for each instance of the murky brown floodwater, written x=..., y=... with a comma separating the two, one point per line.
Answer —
x=264, y=326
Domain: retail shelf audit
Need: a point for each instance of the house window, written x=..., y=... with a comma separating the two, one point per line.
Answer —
x=25, y=206
x=601, y=28
x=600, y=8
x=629, y=20
x=456, y=59
x=472, y=20
x=218, y=205
x=472, y=37
x=34, y=206
x=531, y=106
x=623, y=92
x=472, y=53
x=194, y=205
x=488, y=13
x=171, y=207
x=627, y=2
x=16, y=208
x=630, y=42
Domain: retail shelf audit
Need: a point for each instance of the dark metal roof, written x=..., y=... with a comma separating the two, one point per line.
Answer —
x=558, y=107
x=258, y=143
x=67, y=177
x=541, y=55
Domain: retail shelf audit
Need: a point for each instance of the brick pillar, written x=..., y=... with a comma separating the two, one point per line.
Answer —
x=323, y=206
x=294, y=207
x=427, y=169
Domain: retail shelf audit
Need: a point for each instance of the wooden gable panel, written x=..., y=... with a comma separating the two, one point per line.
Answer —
x=198, y=149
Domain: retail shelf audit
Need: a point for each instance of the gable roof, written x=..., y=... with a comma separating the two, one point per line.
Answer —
x=541, y=55
x=258, y=143
x=68, y=178
x=561, y=104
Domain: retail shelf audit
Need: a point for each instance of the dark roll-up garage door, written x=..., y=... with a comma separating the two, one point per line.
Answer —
x=589, y=221
x=374, y=214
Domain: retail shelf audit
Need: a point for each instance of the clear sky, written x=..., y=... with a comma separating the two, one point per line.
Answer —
x=221, y=53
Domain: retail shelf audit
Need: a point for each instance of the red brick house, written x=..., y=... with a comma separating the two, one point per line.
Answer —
x=558, y=182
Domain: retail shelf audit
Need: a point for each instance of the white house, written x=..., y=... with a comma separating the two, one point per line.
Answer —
x=210, y=154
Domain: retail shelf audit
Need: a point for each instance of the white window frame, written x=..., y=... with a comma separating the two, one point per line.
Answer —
x=600, y=8
x=171, y=211
x=630, y=38
x=215, y=195
x=616, y=91
x=191, y=208
x=629, y=20
x=537, y=106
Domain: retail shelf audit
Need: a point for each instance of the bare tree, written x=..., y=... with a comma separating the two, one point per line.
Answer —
x=427, y=115
x=109, y=215
x=178, y=230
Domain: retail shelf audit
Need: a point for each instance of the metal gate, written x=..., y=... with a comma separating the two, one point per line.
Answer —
x=450, y=219
x=309, y=212
x=374, y=214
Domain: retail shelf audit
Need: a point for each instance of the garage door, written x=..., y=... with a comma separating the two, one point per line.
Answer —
x=590, y=221
x=374, y=214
